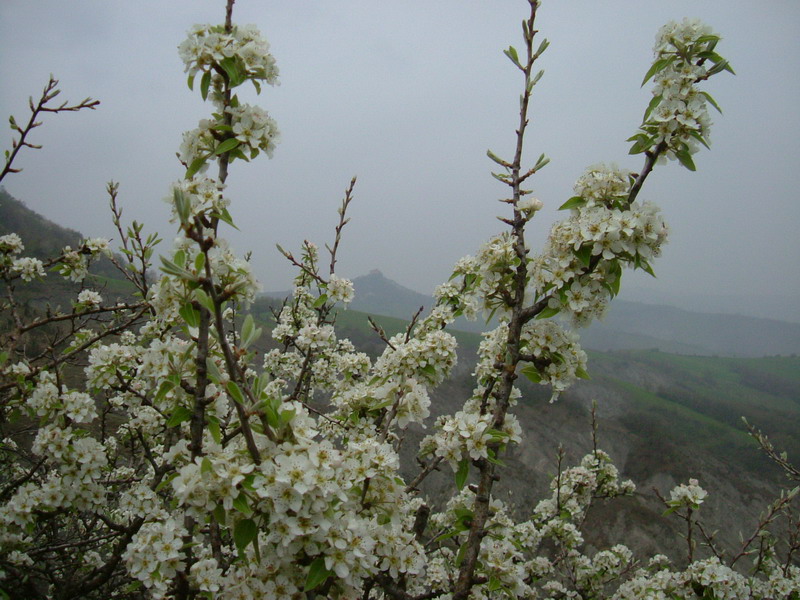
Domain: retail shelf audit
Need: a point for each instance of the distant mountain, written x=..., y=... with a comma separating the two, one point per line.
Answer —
x=377, y=294
x=783, y=307
x=633, y=325
x=42, y=237
x=627, y=326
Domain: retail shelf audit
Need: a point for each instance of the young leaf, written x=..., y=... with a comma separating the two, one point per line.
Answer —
x=573, y=202
x=497, y=159
x=226, y=146
x=213, y=370
x=462, y=473
x=584, y=254
x=531, y=373
x=244, y=532
x=548, y=312
x=511, y=53
x=204, y=83
x=711, y=101
x=319, y=302
x=235, y=391
x=204, y=300
x=196, y=165
x=213, y=428
x=317, y=574
x=250, y=332
x=241, y=504
x=190, y=314
x=179, y=415
x=659, y=65
x=171, y=268
x=685, y=159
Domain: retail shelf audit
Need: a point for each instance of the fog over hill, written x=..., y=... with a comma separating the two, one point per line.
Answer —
x=628, y=325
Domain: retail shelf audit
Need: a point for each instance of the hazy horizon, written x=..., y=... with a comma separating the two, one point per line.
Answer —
x=409, y=97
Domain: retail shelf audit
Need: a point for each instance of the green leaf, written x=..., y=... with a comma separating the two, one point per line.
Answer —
x=179, y=415
x=582, y=373
x=615, y=281
x=166, y=386
x=213, y=370
x=190, y=314
x=317, y=574
x=219, y=514
x=180, y=258
x=497, y=159
x=654, y=102
x=573, y=202
x=225, y=216
x=711, y=101
x=496, y=434
x=531, y=373
x=196, y=165
x=250, y=332
x=699, y=137
x=542, y=47
x=659, y=65
x=204, y=300
x=213, y=428
x=235, y=391
x=511, y=53
x=287, y=415
x=241, y=504
x=548, y=312
x=226, y=146
x=429, y=370
x=535, y=80
x=460, y=556
x=190, y=81
x=182, y=205
x=204, y=83
x=206, y=466
x=319, y=302
x=492, y=458
x=200, y=262
x=722, y=65
x=707, y=38
x=640, y=263
x=584, y=254
x=685, y=159
x=234, y=70
x=462, y=473
x=244, y=532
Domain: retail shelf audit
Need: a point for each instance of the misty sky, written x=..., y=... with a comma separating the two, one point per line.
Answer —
x=408, y=96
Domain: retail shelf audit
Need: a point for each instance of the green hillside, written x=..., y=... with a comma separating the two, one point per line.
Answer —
x=44, y=239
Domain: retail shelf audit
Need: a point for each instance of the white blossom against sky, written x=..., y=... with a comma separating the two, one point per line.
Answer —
x=409, y=96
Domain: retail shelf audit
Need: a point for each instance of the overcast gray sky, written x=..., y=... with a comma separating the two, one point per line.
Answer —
x=408, y=96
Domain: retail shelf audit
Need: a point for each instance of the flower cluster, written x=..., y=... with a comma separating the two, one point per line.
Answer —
x=226, y=59
x=28, y=268
x=581, y=265
x=677, y=118
x=689, y=495
x=208, y=46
